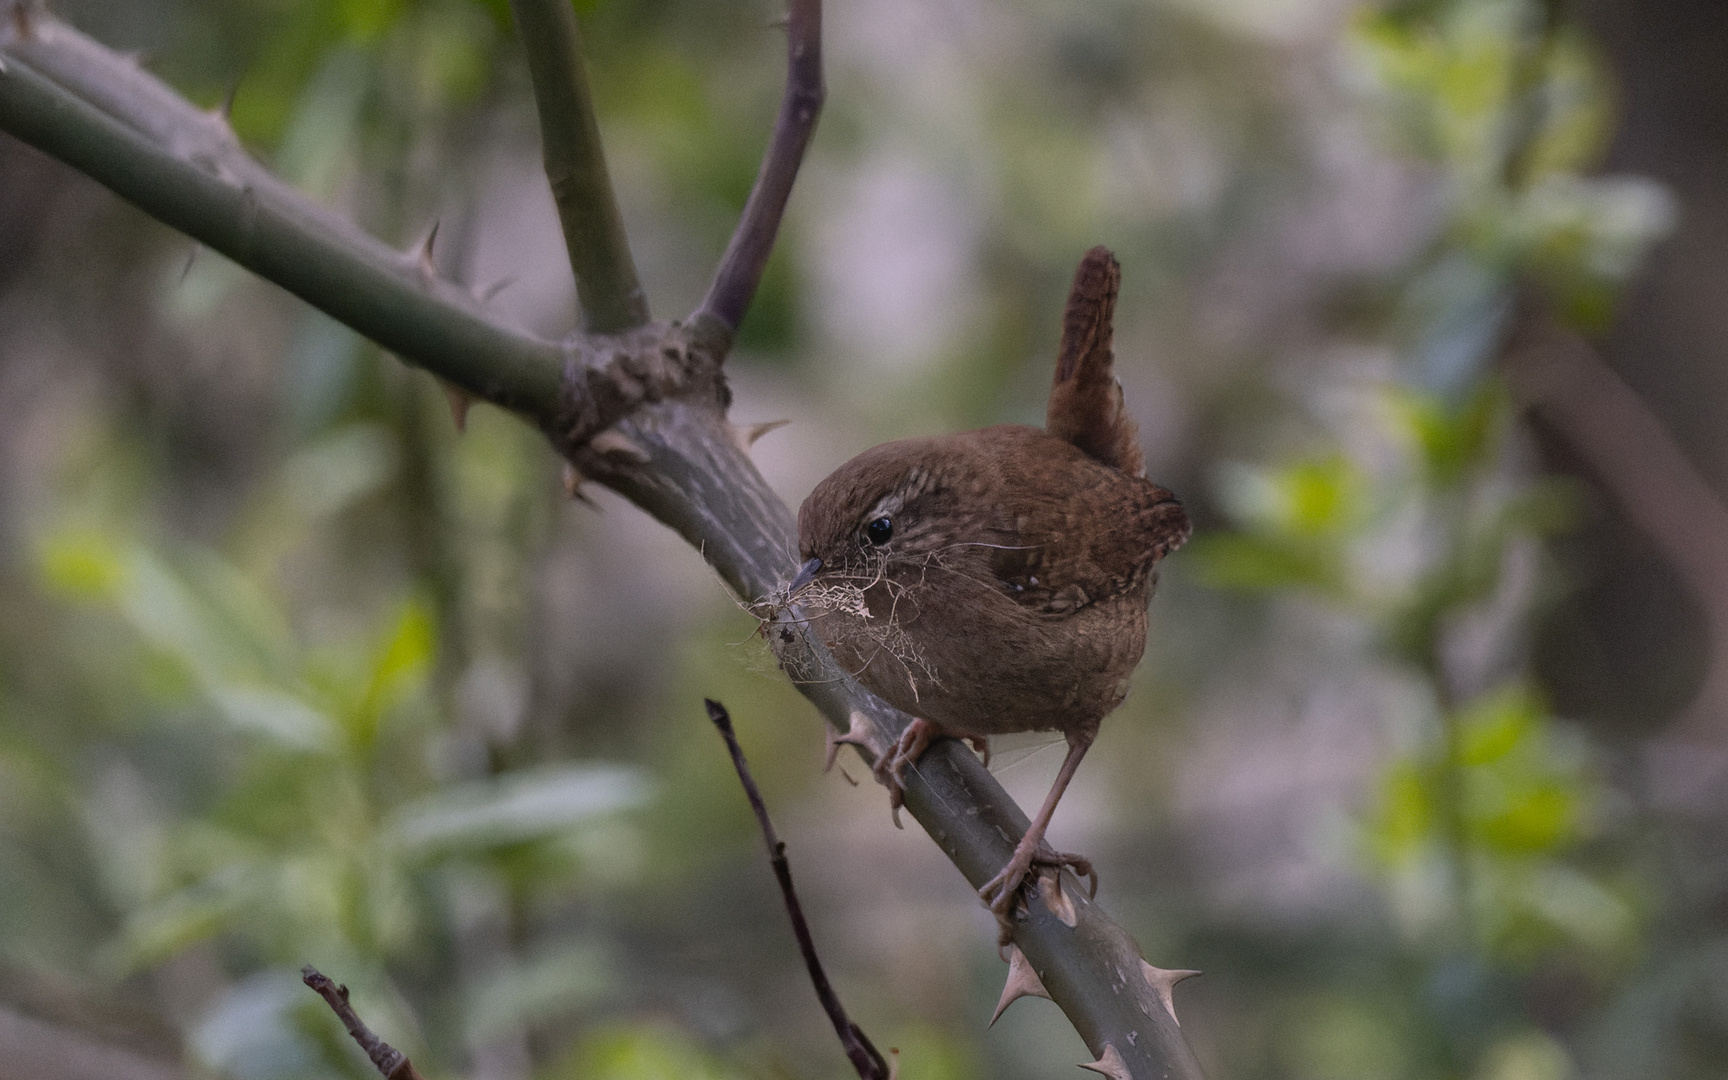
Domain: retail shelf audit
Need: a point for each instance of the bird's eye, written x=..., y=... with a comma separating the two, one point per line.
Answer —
x=879, y=532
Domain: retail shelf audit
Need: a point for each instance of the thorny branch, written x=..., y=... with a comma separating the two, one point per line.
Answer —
x=864, y=1056
x=391, y=1063
x=643, y=412
x=98, y=112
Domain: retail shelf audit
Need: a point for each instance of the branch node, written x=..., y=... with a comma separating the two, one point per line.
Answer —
x=611, y=376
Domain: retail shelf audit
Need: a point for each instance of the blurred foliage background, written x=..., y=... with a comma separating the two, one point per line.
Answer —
x=291, y=672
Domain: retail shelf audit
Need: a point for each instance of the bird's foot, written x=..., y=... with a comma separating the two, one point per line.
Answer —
x=1001, y=894
x=891, y=767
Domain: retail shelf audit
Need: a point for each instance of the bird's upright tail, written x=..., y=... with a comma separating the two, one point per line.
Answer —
x=1085, y=399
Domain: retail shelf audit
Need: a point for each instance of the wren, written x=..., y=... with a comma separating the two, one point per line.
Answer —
x=997, y=580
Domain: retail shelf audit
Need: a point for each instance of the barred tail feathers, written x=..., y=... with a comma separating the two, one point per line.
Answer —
x=1086, y=405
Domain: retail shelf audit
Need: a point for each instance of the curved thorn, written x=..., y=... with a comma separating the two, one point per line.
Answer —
x=1163, y=982
x=459, y=401
x=1110, y=1063
x=1023, y=981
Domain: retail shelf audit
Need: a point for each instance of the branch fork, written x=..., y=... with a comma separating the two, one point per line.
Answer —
x=636, y=405
x=613, y=376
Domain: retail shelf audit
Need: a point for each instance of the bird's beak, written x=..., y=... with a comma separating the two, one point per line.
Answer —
x=805, y=575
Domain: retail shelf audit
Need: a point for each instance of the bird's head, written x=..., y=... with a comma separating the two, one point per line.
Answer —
x=884, y=504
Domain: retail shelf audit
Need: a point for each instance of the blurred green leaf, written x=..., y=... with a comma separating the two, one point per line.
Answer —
x=1454, y=442
x=516, y=807
x=399, y=667
x=1535, y=820
x=1584, y=238
x=82, y=563
x=160, y=606
x=239, y=608
x=1405, y=821
x=318, y=139
x=280, y=716
x=330, y=473
x=1583, y=909
x=499, y=10
x=453, y=50
x=545, y=987
x=1494, y=725
x=1344, y=1037
x=1527, y=1055
x=168, y=926
x=366, y=20
x=1239, y=561
x=1310, y=498
x=1319, y=497
x=928, y=1052
x=1525, y=804
x=642, y=1052
x=266, y=99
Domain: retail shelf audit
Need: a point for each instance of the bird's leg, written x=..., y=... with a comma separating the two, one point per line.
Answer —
x=1000, y=891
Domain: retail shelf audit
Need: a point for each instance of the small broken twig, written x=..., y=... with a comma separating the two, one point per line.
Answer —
x=863, y=1055
x=392, y=1063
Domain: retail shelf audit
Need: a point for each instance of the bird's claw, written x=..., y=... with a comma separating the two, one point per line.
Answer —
x=890, y=768
x=1001, y=894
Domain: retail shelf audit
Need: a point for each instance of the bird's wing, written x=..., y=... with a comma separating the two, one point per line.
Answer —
x=1056, y=556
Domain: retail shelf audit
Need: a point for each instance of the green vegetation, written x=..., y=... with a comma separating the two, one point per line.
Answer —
x=295, y=673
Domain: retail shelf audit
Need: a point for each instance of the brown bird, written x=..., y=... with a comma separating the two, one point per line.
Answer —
x=997, y=580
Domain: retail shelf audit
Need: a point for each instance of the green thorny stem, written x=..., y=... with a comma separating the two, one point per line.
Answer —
x=641, y=409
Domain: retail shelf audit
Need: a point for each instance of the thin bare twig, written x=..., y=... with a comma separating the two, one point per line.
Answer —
x=740, y=270
x=607, y=288
x=392, y=1063
x=859, y=1050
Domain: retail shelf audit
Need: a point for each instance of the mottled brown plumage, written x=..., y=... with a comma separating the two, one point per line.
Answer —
x=997, y=580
